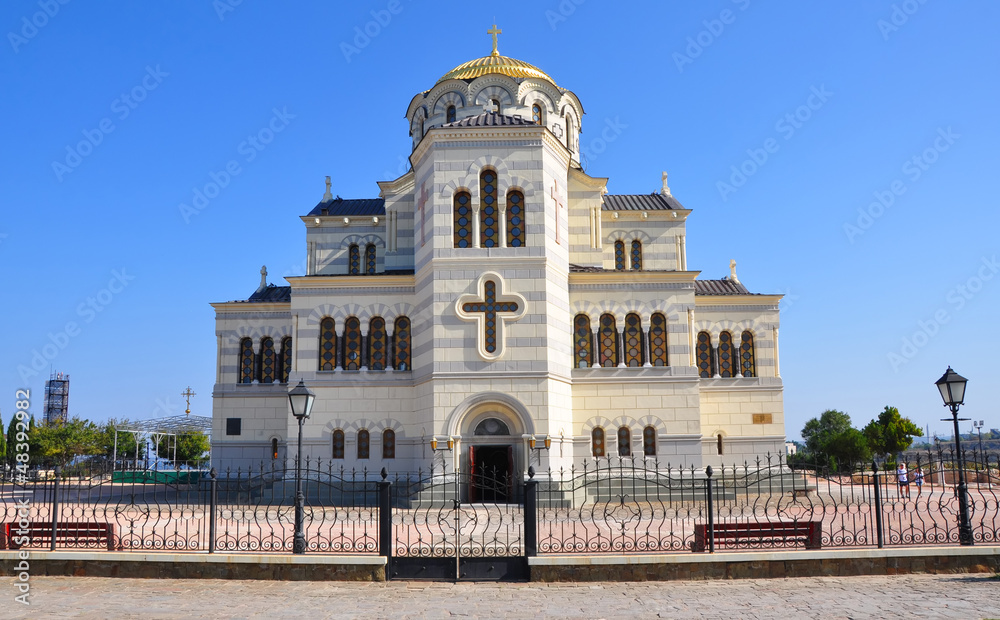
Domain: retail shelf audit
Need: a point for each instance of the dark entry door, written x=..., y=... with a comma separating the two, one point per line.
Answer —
x=492, y=469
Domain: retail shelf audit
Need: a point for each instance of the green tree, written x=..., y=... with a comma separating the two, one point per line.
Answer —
x=127, y=443
x=831, y=441
x=847, y=450
x=891, y=433
x=11, y=450
x=818, y=431
x=3, y=441
x=61, y=442
x=191, y=446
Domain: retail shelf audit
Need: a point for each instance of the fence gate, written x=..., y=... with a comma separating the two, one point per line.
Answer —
x=458, y=526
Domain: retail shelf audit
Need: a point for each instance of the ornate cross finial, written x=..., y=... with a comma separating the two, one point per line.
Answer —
x=327, y=196
x=490, y=106
x=732, y=271
x=666, y=188
x=263, y=276
x=188, y=394
x=494, y=31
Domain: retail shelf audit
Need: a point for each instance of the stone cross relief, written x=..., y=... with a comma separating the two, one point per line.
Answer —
x=557, y=199
x=491, y=310
x=489, y=106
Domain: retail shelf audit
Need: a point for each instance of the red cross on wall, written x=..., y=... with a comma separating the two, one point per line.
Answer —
x=557, y=199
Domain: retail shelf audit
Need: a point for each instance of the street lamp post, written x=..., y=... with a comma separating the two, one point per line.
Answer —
x=301, y=401
x=979, y=427
x=952, y=388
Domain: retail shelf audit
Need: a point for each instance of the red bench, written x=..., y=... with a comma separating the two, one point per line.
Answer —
x=808, y=532
x=86, y=535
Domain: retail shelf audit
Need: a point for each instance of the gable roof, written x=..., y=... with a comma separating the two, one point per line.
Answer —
x=724, y=286
x=356, y=206
x=639, y=202
x=272, y=294
x=489, y=119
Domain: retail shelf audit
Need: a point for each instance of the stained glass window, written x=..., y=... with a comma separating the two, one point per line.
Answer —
x=463, y=220
x=378, y=344
x=649, y=441
x=352, y=344
x=353, y=260
x=536, y=113
x=636, y=255
x=706, y=369
x=515, y=219
x=286, y=358
x=597, y=441
x=619, y=255
x=388, y=444
x=401, y=340
x=450, y=114
x=624, y=441
x=582, y=341
x=726, y=355
x=658, y=339
x=338, y=444
x=268, y=361
x=633, y=341
x=748, y=366
x=364, y=444
x=489, y=307
x=489, y=224
x=370, y=261
x=274, y=449
x=327, y=344
x=609, y=341
x=246, y=361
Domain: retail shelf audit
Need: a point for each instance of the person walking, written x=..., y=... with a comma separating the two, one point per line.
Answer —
x=904, y=482
x=918, y=479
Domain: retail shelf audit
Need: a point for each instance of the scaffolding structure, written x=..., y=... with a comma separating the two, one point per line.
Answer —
x=163, y=428
x=57, y=398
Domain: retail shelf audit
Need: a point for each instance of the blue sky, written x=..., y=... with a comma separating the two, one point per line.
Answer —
x=871, y=207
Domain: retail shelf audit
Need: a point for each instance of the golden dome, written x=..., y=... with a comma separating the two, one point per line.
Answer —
x=495, y=63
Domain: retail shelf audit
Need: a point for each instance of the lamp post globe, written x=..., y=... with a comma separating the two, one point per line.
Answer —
x=301, y=400
x=951, y=385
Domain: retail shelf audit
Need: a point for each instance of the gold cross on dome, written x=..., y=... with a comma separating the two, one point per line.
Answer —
x=494, y=31
x=188, y=394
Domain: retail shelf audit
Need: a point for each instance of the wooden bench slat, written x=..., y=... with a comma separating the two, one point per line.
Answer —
x=808, y=532
x=66, y=531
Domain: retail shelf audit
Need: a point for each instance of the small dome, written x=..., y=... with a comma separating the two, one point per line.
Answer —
x=495, y=63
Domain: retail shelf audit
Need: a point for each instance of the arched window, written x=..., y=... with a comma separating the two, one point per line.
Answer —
x=364, y=444
x=370, y=261
x=748, y=366
x=633, y=340
x=726, y=355
x=515, y=219
x=449, y=115
x=597, y=441
x=352, y=344
x=246, y=361
x=491, y=427
x=624, y=441
x=649, y=441
x=388, y=444
x=274, y=448
x=658, y=340
x=636, y=255
x=327, y=344
x=569, y=132
x=536, y=113
x=496, y=104
x=353, y=260
x=462, y=220
x=489, y=224
x=619, y=255
x=267, y=360
x=718, y=443
x=338, y=444
x=609, y=341
x=401, y=342
x=706, y=369
x=286, y=358
x=583, y=341
x=378, y=344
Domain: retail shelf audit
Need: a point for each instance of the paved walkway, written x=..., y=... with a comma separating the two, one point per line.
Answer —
x=905, y=596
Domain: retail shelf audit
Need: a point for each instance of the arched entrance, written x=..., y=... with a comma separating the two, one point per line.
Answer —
x=491, y=464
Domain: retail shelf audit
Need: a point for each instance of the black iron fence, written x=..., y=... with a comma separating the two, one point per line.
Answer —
x=606, y=506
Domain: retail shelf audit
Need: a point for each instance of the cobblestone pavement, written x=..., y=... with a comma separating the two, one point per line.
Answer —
x=904, y=596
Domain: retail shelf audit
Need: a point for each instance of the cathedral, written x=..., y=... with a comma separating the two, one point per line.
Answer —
x=496, y=307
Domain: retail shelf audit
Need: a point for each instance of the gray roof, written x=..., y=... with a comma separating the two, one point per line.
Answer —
x=490, y=119
x=719, y=287
x=272, y=294
x=358, y=206
x=640, y=202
